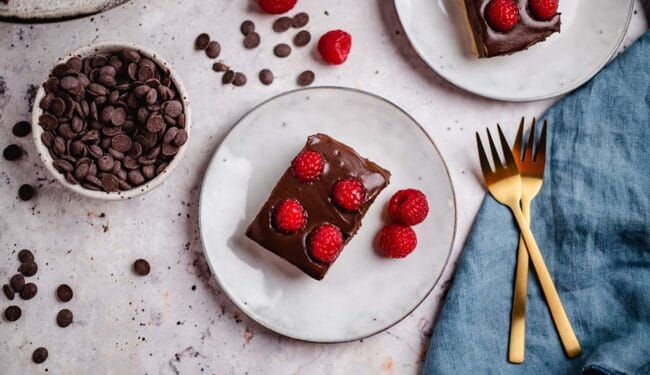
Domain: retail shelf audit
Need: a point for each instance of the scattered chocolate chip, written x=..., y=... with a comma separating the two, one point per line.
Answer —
x=28, y=269
x=64, y=318
x=13, y=313
x=22, y=128
x=247, y=27
x=302, y=38
x=240, y=79
x=29, y=291
x=202, y=41
x=266, y=76
x=12, y=152
x=141, y=267
x=220, y=67
x=300, y=20
x=17, y=282
x=252, y=40
x=39, y=355
x=213, y=49
x=306, y=78
x=282, y=24
x=228, y=77
x=64, y=292
x=282, y=50
x=26, y=192
x=25, y=256
x=8, y=292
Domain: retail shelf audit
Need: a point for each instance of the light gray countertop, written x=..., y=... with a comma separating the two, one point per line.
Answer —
x=176, y=320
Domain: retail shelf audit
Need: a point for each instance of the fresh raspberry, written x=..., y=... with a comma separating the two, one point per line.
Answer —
x=289, y=216
x=276, y=6
x=502, y=15
x=409, y=206
x=397, y=240
x=349, y=194
x=543, y=10
x=334, y=46
x=326, y=243
x=308, y=165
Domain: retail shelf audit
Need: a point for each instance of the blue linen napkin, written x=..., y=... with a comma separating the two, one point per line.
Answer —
x=592, y=224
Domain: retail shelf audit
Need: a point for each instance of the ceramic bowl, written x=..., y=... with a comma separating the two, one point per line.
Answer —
x=102, y=48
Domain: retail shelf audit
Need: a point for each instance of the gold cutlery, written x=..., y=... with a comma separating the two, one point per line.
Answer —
x=531, y=169
x=505, y=185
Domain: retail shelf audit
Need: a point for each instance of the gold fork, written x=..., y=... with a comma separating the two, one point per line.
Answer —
x=531, y=169
x=504, y=183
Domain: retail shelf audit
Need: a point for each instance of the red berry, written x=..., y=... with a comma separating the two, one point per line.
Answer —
x=397, y=240
x=409, y=206
x=334, y=46
x=308, y=165
x=276, y=6
x=543, y=10
x=326, y=243
x=502, y=15
x=349, y=194
x=289, y=216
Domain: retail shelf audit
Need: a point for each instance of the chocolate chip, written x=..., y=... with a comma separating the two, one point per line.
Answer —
x=247, y=27
x=29, y=291
x=8, y=292
x=202, y=41
x=213, y=49
x=252, y=40
x=39, y=355
x=306, y=78
x=13, y=313
x=22, y=128
x=219, y=67
x=302, y=38
x=26, y=192
x=28, y=269
x=266, y=76
x=121, y=143
x=64, y=318
x=240, y=79
x=64, y=292
x=228, y=77
x=141, y=267
x=282, y=50
x=110, y=183
x=17, y=282
x=25, y=256
x=282, y=24
x=12, y=152
x=300, y=20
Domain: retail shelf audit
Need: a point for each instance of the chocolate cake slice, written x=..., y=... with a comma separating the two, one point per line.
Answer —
x=309, y=187
x=528, y=29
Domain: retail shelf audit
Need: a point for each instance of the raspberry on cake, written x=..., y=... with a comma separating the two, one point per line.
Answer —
x=317, y=205
x=502, y=27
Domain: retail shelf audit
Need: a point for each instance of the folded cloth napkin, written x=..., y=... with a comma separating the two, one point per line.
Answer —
x=592, y=224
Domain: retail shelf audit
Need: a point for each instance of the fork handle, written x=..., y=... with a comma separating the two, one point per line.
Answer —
x=517, y=344
x=560, y=319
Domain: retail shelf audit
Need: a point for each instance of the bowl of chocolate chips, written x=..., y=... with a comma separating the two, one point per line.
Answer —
x=112, y=120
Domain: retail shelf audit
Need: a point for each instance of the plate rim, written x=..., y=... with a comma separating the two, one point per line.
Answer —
x=554, y=94
x=243, y=308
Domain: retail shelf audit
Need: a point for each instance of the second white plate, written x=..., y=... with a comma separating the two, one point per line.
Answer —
x=592, y=31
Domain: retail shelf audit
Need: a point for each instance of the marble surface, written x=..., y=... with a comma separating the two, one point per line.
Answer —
x=176, y=320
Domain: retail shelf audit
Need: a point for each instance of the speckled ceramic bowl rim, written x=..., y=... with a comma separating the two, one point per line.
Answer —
x=89, y=50
x=245, y=308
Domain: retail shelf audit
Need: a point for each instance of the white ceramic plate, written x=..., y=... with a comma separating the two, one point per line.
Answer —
x=41, y=10
x=363, y=293
x=591, y=32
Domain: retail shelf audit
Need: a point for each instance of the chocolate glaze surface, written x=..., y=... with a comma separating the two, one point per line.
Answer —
x=527, y=32
x=340, y=161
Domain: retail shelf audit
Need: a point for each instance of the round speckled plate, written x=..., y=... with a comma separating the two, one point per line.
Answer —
x=363, y=293
x=44, y=10
x=592, y=31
